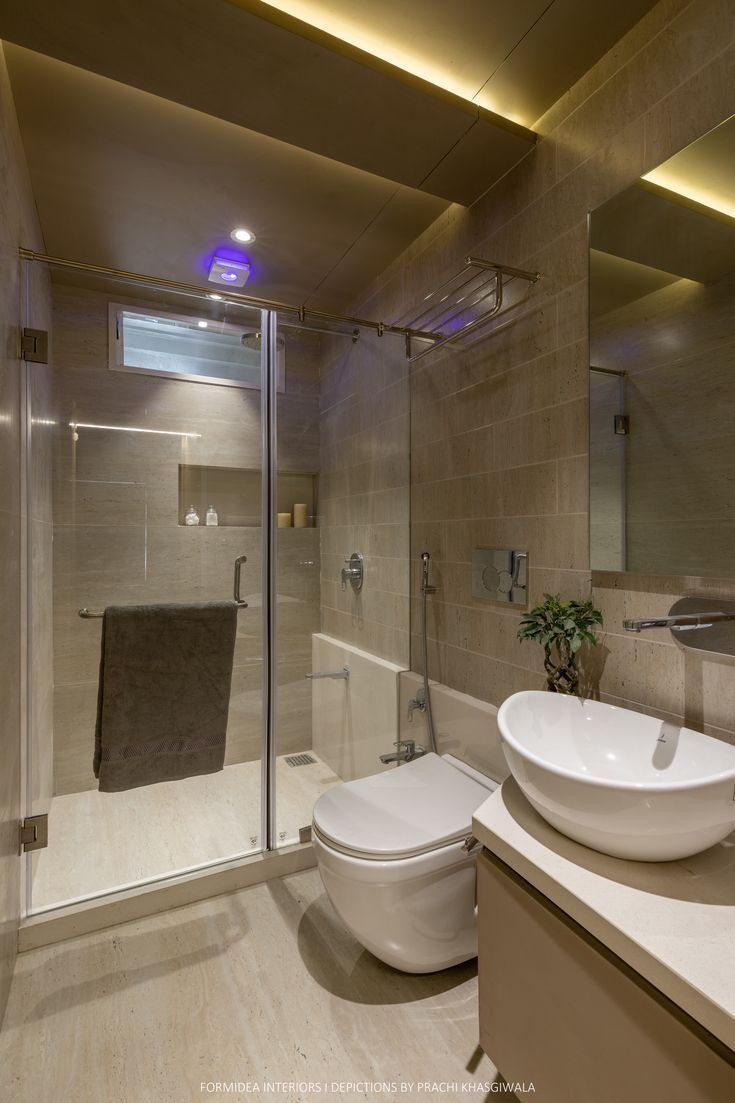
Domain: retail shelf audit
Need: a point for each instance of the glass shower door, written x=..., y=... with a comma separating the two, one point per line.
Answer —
x=342, y=560
x=149, y=432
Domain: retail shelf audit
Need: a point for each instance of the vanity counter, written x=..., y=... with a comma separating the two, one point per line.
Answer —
x=672, y=922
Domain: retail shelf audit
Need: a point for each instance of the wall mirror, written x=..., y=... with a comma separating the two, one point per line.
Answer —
x=662, y=368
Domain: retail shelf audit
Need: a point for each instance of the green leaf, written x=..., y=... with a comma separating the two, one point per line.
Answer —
x=564, y=624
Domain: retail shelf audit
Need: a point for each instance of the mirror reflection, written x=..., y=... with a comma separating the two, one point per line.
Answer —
x=662, y=368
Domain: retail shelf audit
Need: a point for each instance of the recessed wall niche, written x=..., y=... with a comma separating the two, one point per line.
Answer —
x=235, y=493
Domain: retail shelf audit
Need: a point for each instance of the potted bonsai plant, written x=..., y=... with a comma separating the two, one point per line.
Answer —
x=561, y=627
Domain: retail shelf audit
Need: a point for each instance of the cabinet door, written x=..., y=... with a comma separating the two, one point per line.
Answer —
x=560, y=1011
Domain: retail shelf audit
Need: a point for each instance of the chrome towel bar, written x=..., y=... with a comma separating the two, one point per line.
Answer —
x=89, y=614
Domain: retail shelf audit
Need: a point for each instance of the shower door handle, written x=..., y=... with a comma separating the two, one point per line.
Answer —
x=238, y=568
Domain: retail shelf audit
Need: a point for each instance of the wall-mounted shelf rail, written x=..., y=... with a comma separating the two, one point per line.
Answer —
x=479, y=292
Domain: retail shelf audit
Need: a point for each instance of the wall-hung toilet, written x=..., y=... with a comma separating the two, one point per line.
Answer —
x=390, y=850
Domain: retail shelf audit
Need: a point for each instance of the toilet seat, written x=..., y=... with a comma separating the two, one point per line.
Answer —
x=419, y=807
x=391, y=856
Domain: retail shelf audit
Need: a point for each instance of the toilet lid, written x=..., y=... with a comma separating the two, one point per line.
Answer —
x=417, y=807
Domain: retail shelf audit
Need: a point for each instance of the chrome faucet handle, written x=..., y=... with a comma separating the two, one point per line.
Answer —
x=353, y=571
x=417, y=702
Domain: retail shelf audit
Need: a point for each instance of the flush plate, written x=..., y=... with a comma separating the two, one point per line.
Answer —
x=500, y=574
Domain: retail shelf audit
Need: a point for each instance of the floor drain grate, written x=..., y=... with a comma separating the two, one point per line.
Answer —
x=300, y=760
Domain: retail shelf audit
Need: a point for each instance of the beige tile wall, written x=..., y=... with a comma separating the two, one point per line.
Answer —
x=677, y=347
x=364, y=491
x=607, y=473
x=117, y=537
x=18, y=226
x=499, y=431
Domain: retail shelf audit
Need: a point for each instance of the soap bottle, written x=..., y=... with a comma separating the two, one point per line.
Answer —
x=212, y=518
x=192, y=517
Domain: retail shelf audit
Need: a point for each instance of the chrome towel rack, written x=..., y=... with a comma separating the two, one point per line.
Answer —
x=90, y=614
x=473, y=296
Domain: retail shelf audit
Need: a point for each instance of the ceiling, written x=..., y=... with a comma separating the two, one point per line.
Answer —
x=515, y=59
x=615, y=282
x=705, y=171
x=676, y=223
x=150, y=138
x=131, y=181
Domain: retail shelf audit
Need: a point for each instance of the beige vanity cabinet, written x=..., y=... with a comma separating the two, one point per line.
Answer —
x=560, y=1011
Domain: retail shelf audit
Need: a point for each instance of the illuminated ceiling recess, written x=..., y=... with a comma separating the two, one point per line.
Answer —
x=515, y=60
x=703, y=172
x=443, y=124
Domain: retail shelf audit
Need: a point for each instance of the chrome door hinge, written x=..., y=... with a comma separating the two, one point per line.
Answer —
x=33, y=833
x=305, y=834
x=34, y=346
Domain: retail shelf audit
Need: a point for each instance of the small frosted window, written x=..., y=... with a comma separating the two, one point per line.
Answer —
x=178, y=346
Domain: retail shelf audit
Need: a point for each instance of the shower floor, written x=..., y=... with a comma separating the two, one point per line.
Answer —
x=100, y=842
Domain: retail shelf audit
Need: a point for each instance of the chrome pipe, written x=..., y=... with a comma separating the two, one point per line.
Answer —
x=425, y=691
x=506, y=269
x=302, y=312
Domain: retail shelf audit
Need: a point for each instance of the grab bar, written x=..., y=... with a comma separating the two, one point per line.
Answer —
x=88, y=614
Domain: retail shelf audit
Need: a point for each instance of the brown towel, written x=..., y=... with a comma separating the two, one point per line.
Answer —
x=164, y=692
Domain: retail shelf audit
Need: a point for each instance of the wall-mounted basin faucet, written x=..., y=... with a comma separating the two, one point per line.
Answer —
x=683, y=622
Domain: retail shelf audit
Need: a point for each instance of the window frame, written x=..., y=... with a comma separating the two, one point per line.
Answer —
x=116, y=348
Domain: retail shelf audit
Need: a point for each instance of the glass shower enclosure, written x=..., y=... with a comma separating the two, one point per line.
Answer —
x=173, y=455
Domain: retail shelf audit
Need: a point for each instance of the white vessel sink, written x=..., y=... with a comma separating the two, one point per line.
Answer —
x=619, y=781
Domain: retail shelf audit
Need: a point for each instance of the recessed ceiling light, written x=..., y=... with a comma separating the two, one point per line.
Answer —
x=202, y=324
x=214, y=295
x=243, y=235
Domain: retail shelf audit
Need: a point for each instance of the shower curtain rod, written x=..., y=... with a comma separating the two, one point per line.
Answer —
x=302, y=312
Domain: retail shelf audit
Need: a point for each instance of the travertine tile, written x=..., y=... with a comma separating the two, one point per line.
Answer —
x=499, y=431
x=167, y=827
x=129, y=1000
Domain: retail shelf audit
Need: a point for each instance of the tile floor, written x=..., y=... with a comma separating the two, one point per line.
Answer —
x=261, y=985
x=102, y=841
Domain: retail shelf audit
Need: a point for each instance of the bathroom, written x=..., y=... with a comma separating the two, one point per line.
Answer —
x=240, y=369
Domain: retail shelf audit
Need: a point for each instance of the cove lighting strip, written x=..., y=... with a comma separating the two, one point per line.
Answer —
x=75, y=425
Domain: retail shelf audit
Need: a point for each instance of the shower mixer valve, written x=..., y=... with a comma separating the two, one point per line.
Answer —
x=353, y=572
x=417, y=702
